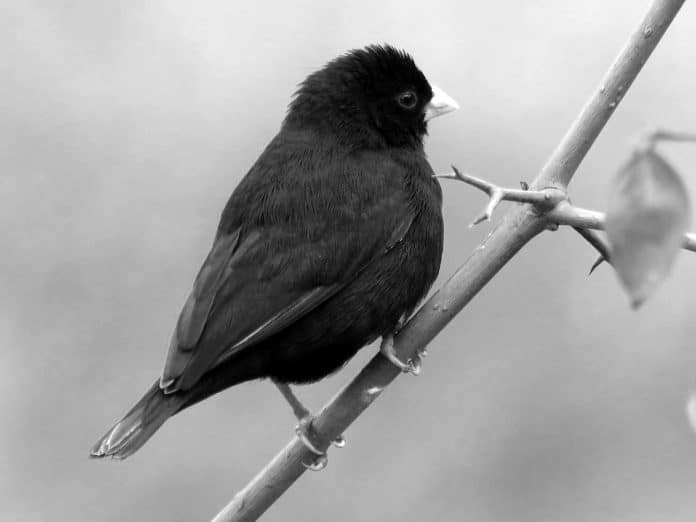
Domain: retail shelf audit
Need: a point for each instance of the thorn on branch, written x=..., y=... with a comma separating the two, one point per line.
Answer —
x=496, y=196
x=544, y=200
x=598, y=242
x=598, y=262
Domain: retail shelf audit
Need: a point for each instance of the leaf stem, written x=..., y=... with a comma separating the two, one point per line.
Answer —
x=566, y=214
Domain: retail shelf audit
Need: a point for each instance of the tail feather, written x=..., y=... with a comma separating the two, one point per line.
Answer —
x=138, y=425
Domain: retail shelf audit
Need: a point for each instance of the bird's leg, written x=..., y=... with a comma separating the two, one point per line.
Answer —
x=298, y=408
x=304, y=429
x=387, y=349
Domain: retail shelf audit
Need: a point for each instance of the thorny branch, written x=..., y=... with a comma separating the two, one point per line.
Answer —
x=542, y=199
x=567, y=214
x=518, y=226
x=550, y=203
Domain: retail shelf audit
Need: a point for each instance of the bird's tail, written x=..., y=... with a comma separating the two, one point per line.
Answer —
x=139, y=424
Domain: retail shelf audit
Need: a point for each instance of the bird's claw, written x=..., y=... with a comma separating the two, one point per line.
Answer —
x=318, y=463
x=412, y=366
x=305, y=432
x=415, y=365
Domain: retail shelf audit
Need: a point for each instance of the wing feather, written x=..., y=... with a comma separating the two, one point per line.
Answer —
x=269, y=271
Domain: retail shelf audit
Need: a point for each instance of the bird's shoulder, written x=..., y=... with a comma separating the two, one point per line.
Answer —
x=304, y=175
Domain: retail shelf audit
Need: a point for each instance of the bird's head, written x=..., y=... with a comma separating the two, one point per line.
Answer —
x=376, y=95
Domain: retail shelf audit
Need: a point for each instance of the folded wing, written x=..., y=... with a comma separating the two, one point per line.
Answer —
x=265, y=274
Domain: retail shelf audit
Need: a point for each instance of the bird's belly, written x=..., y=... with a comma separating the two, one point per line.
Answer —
x=371, y=306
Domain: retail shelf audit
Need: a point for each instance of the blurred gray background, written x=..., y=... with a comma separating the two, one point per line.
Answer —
x=123, y=128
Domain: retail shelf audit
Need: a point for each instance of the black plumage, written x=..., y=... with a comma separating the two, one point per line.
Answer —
x=333, y=235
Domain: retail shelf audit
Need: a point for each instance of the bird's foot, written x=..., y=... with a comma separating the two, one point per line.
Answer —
x=412, y=366
x=307, y=434
x=304, y=429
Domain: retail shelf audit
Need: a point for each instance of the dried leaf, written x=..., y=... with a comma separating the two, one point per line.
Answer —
x=648, y=214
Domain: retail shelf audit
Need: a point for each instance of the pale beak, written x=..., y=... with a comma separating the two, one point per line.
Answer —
x=440, y=104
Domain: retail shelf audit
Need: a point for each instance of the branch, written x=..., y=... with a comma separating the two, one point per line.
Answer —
x=561, y=166
x=544, y=201
x=517, y=227
x=553, y=204
x=566, y=214
x=651, y=139
x=541, y=199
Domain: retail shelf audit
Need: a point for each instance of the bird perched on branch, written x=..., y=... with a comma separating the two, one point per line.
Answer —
x=332, y=237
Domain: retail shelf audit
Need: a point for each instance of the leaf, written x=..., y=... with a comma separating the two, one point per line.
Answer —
x=648, y=214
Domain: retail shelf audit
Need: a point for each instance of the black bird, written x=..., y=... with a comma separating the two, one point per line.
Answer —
x=330, y=240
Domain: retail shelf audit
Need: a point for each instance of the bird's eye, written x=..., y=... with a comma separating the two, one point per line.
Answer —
x=407, y=100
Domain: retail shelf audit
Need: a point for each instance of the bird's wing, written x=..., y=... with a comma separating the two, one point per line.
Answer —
x=254, y=284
